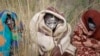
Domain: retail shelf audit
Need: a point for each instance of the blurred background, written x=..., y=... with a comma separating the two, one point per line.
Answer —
x=26, y=9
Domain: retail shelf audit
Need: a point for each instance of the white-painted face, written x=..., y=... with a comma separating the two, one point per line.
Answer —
x=91, y=24
x=10, y=22
x=51, y=21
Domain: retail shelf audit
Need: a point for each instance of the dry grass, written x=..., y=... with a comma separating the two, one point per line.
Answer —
x=25, y=9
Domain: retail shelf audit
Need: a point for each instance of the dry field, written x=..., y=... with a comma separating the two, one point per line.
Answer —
x=25, y=9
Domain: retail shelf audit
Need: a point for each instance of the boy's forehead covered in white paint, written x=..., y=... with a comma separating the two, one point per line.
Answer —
x=51, y=21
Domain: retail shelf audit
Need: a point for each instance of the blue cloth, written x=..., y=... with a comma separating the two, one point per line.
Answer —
x=6, y=32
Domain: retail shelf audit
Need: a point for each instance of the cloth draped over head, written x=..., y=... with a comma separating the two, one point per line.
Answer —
x=86, y=40
x=8, y=32
x=45, y=38
x=95, y=16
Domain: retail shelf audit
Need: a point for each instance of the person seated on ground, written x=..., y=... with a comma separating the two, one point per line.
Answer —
x=86, y=36
x=8, y=32
x=51, y=33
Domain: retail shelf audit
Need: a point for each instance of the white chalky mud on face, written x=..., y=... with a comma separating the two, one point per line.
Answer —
x=51, y=21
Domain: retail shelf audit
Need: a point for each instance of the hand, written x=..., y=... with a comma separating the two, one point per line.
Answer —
x=83, y=38
x=56, y=51
x=88, y=43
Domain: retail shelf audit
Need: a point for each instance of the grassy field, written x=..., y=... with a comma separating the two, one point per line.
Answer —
x=25, y=9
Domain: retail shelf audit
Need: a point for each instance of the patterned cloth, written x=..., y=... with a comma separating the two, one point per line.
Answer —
x=8, y=37
x=87, y=45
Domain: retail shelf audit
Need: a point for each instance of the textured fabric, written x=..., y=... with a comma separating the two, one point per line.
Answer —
x=95, y=16
x=7, y=34
x=45, y=39
x=87, y=45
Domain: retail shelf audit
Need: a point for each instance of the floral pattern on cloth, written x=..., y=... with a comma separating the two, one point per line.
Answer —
x=85, y=46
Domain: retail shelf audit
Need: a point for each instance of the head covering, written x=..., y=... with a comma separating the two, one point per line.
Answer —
x=61, y=27
x=7, y=34
x=49, y=39
x=95, y=16
x=55, y=10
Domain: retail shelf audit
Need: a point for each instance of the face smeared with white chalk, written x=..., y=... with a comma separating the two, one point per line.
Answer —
x=10, y=22
x=51, y=21
x=91, y=24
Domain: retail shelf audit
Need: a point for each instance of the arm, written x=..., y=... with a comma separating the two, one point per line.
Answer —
x=92, y=43
x=63, y=45
x=76, y=40
x=45, y=42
